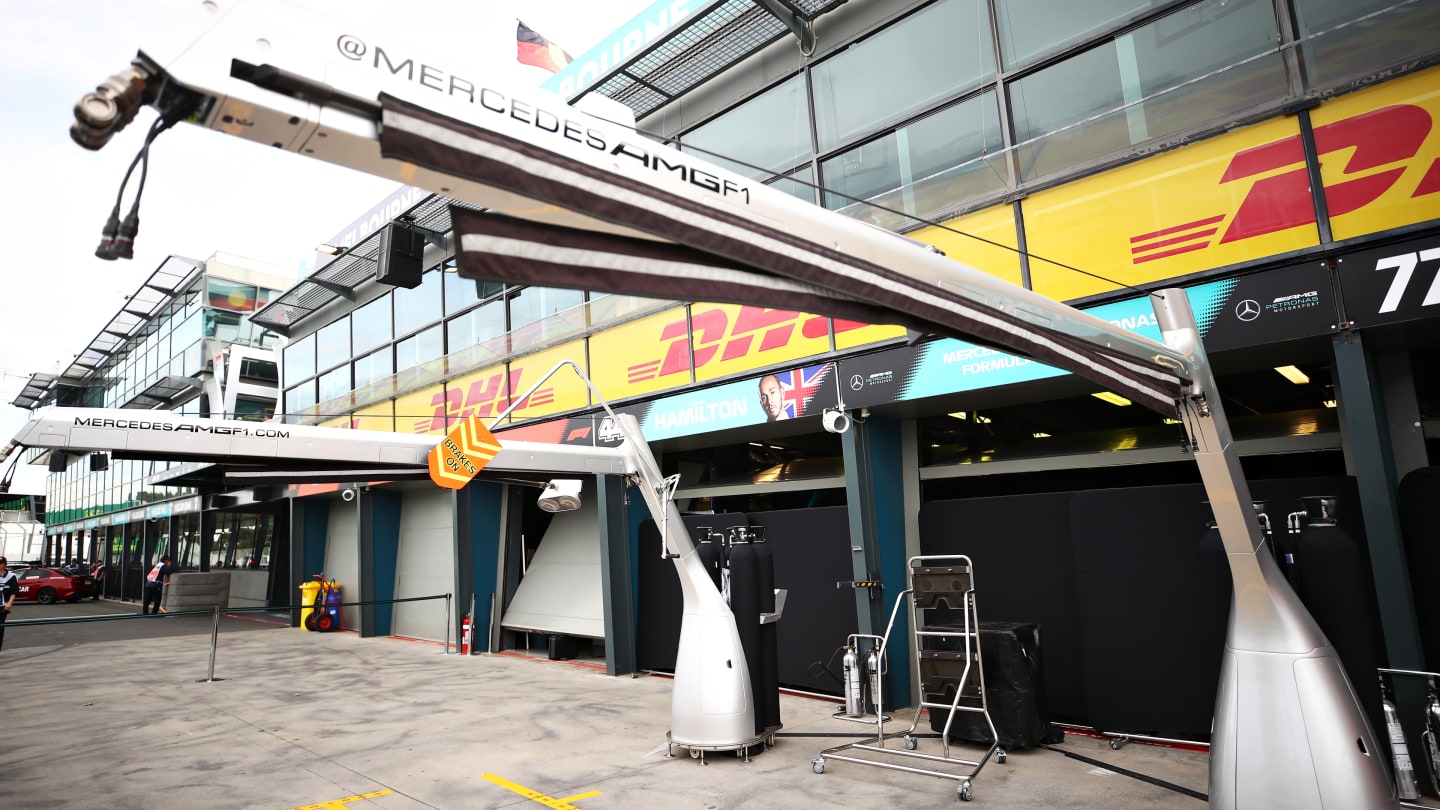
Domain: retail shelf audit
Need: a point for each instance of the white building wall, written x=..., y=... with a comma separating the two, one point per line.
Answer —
x=426, y=564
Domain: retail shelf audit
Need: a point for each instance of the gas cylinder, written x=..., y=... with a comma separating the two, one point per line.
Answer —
x=854, y=701
x=873, y=674
x=1399, y=751
x=1432, y=733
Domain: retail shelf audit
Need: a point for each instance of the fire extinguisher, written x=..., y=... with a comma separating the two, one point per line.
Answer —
x=854, y=702
x=465, y=635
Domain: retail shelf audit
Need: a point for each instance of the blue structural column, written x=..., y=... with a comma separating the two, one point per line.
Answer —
x=379, y=551
x=874, y=494
x=1371, y=459
x=479, y=512
x=617, y=571
x=309, y=522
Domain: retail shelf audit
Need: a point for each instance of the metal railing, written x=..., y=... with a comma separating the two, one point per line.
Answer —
x=216, y=611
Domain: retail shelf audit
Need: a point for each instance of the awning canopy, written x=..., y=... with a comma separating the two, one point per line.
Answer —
x=723, y=253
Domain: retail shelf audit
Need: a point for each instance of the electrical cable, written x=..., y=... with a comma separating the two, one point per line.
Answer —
x=118, y=238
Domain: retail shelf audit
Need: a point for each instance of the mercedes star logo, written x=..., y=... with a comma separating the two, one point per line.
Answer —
x=1247, y=310
x=857, y=382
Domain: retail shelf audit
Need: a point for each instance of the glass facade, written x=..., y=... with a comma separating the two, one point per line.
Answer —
x=175, y=343
x=944, y=109
x=407, y=339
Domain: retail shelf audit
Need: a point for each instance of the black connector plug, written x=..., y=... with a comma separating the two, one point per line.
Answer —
x=125, y=239
x=106, y=250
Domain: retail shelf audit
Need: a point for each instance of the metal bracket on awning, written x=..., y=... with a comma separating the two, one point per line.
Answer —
x=787, y=13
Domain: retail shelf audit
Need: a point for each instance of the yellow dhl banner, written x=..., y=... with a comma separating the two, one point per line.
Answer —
x=1166, y=216
x=1380, y=155
x=439, y=408
x=728, y=338
x=1245, y=195
x=995, y=251
x=564, y=391
x=624, y=361
x=380, y=416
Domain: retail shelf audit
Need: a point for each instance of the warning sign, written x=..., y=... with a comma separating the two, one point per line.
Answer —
x=463, y=452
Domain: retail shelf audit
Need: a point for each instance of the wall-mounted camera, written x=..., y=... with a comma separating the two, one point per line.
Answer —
x=348, y=495
x=835, y=420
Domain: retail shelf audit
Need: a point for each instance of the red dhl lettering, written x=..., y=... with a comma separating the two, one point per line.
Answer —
x=484, y=397
x=712, y=336
x=1380, y=139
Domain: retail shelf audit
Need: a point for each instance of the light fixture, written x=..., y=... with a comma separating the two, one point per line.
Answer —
x=1170, y=420
x=329, y=250
x=560, y=495
x=961, y=415
x=1040, y=434
x=1112, y=398
x=1293, y=374
x=1329, y=403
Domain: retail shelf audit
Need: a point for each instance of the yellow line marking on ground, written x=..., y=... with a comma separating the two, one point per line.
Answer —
x=339, y=804
x=537, y=796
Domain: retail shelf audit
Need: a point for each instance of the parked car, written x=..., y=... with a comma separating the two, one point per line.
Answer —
x=45, y=585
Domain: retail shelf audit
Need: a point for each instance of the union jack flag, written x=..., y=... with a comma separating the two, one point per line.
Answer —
x=798, y=387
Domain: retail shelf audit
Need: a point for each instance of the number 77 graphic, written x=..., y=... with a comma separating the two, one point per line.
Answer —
x=1404, y=267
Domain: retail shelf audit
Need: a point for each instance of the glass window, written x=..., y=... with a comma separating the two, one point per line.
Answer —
x=372, y=324
x=933, y=54
x=249, y=409
x=335, y=384
x=191, y=361
x=374, y=366
x=416, y=308
x=1031, y=28
x=230, y=327
x=298, y=360
x=300, y=398
x=1116, y=88
x=463, y=293
x=1334, y=53
x=424, y=347
x=187, y=331
x=771, y=131
x=799, y=184
x=332, y=344
x=533, y=303
x=938, y=152
x=476, y=326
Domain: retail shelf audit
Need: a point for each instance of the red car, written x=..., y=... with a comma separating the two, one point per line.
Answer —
x=45, y=585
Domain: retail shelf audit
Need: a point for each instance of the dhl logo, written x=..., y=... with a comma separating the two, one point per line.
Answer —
x=1380, y=139
x=715, y=338
x=485, y=397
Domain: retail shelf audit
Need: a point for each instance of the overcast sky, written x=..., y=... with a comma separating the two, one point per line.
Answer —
x=206, y=192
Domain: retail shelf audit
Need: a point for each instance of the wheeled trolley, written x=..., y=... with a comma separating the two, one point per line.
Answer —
x=951, y=674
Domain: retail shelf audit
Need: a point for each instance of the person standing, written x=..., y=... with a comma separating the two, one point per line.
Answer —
x=155, y=584
x=9, y=586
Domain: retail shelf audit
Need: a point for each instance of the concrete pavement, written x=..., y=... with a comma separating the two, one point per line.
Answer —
x=104, y=717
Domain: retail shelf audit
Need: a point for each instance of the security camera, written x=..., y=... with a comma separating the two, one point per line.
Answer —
x=347, y=495
x=560, y=495
x=835, y=420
